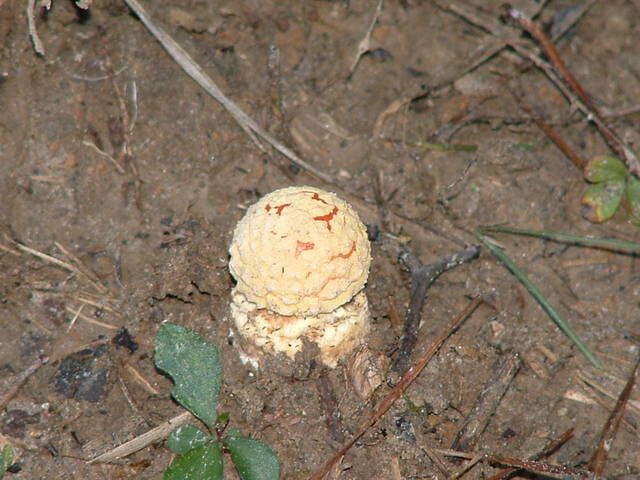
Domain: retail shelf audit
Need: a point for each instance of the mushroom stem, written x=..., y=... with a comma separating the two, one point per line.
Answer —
x=336, y=333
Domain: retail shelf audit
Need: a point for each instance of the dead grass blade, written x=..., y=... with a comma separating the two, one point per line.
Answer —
x=67, y=266
x=141, y=441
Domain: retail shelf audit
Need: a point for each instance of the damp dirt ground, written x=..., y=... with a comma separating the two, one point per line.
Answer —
x=114, y=161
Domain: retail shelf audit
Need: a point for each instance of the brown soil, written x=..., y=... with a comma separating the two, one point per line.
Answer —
x=153, y=226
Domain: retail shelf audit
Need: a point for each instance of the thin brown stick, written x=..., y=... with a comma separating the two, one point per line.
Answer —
x=75, y=317
x=330, y=407
x=628, y=421
x=567, y=473
x=525, y=52
x=546, y=451
x=9, y=250
x=551, y=134
x=102, y=305
x=610, y=429
x=505, y=370
x=550, y=49
x=468, y=466
x=541, y=467
x=401, y=386
x=592, y=384
x=104, y=154
x=435, y=458
x=142, y=381
x=49, y=258
x=91, y=320
x=19, y=379
x=60, y=263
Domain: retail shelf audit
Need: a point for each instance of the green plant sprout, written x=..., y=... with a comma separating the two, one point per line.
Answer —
x=194, y=366
x=6, y=459
x=610, y=184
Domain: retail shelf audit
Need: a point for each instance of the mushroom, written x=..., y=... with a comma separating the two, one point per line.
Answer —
x=301, y=258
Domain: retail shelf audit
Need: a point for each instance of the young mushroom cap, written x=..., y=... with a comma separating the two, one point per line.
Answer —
x=300, y=251
x=301, y=258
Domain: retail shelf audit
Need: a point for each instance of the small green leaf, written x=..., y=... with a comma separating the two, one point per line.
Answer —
x=600, y=201
x=253, y=459
x=604, y=168
x=185, y=438
x=201, y=463
x=195, y=368
x=633, y=195
x=531, y=146
x=222, y=418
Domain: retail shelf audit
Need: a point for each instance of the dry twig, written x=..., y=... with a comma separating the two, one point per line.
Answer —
x=550, y=470
x=329, y=404
x=84, y=270
x=365, y=43
x=91, y=320
x=104, y=154
x=422, y=276
x=18, y=380
x=578, y=100
x=549, y=132
x=33, y=32
x=494, y=389
x=67, y=266
x=610, y=429
x=549, y=449
x=142, y=381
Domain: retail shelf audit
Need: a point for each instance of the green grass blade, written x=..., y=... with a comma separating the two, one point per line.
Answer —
x=610, y=244
x=533, y=290
x=443, y=147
